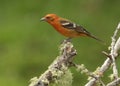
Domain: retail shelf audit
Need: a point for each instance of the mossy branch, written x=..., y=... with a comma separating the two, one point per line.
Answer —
x=59, y=67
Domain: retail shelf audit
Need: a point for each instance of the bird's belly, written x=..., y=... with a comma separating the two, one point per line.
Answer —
x=72, y=33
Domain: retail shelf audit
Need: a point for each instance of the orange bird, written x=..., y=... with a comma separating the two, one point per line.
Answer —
x=66, y=27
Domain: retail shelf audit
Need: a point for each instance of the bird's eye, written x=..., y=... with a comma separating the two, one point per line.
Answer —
x=49, y=18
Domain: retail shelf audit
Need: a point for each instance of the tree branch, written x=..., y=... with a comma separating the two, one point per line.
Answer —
x=114, y=83
x=115, y=46
x=58, y=68
x=115, y=71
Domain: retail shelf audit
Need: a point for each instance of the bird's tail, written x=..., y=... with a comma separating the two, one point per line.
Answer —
x=94, y=37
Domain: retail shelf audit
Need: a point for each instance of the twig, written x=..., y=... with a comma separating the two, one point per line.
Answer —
x=58, y=68
x=115, y=46
x=115, y=71
x=102, y=69
x=114, y=83
x=81, y=68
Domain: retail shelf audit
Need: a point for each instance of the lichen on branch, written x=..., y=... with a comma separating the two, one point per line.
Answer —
x=58, y=72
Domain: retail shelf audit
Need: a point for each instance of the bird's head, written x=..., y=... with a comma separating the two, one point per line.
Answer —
x=49, y=18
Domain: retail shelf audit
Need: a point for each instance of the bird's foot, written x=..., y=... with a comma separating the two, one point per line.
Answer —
x=66, y=40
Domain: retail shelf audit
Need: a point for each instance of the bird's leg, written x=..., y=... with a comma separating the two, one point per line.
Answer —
x=68, y=39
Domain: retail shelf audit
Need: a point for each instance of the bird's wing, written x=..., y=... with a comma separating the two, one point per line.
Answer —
x=70, y=25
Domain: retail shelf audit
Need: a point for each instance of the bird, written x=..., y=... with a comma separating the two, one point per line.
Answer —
x=66, y=27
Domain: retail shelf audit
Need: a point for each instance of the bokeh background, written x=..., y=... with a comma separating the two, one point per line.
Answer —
x=28, y=46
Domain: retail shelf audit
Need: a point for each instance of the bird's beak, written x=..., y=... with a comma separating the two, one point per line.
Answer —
x=43, y=19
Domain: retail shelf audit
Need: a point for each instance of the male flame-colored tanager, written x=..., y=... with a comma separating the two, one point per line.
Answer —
x=66, y=27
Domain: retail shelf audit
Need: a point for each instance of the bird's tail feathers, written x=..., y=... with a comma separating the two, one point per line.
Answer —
x=94, y=37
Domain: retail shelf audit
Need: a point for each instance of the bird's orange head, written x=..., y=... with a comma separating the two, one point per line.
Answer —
x=49, y=18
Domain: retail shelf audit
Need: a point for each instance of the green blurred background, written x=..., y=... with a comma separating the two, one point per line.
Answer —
x=28, y=46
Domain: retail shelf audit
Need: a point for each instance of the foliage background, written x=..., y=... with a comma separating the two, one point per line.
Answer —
x=28, y=46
